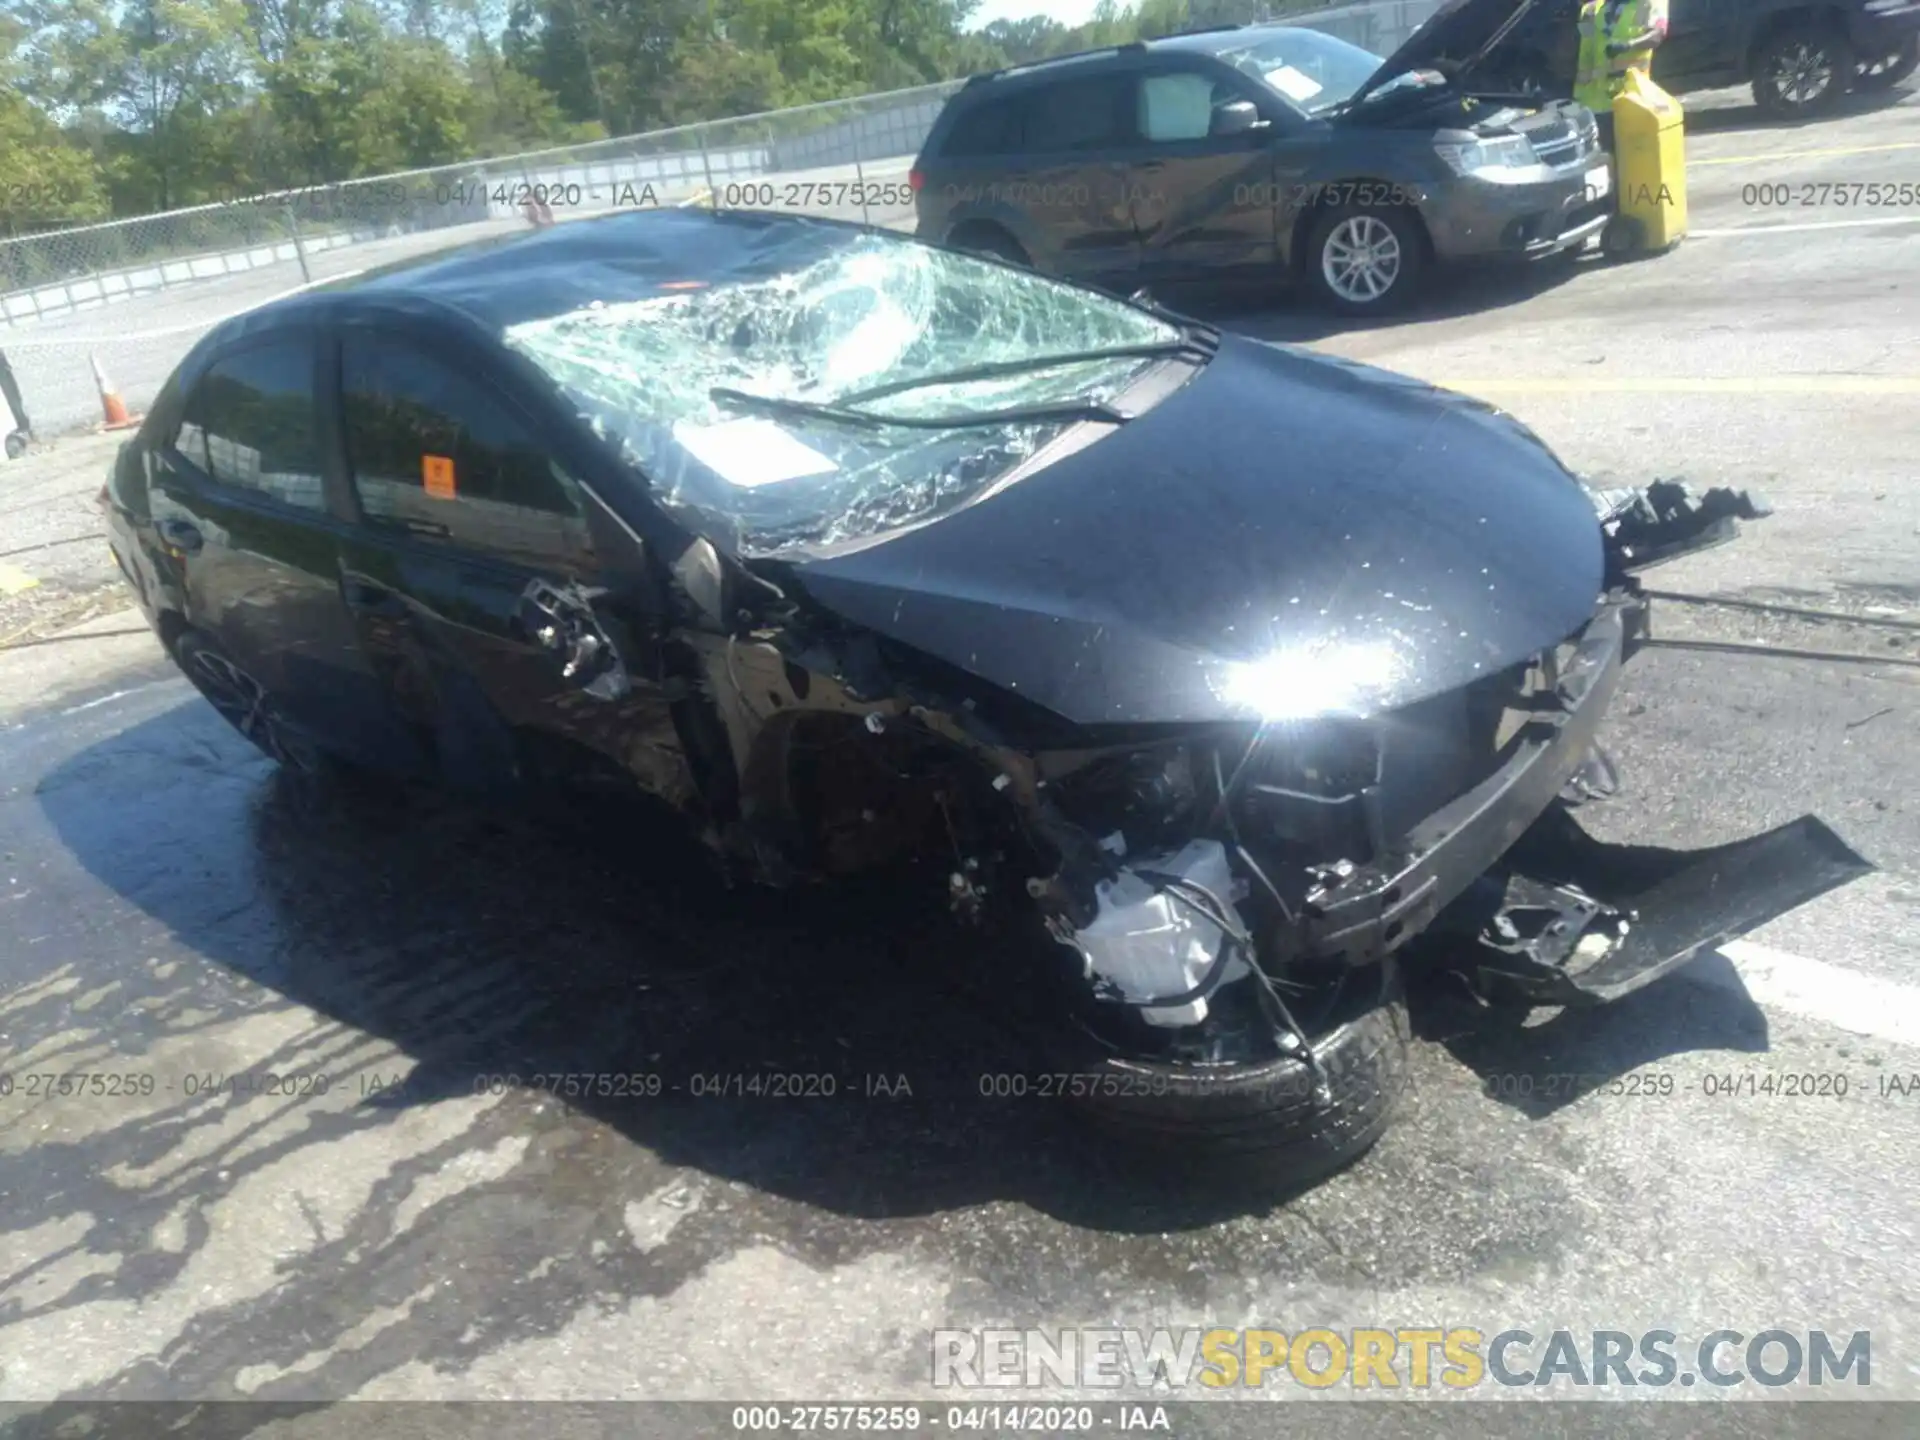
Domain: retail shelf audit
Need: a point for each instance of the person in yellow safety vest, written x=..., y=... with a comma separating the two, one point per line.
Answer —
x=1616, y=36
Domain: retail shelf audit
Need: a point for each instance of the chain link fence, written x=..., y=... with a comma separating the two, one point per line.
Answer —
x=138, y=293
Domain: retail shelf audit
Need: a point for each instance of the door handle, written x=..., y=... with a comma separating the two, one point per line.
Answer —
x=181, y=535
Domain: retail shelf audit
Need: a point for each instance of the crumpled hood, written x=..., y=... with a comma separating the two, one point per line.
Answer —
x=1286, y=535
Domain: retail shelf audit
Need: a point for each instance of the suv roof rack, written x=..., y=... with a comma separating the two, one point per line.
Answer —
x=1029, y=66
x=1202, y=30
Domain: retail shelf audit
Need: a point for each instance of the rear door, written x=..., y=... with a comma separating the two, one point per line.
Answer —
x=247, y=532
x=474, y=577
x=1046, y=162
x=1204, y=203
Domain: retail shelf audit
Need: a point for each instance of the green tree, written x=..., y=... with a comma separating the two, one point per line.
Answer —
x=149, y=66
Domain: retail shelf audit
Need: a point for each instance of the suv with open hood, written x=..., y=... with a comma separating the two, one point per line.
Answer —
x=1264, y=151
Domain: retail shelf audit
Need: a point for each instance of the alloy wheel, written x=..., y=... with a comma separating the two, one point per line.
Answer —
x=246, y=705
x=1802, y=73
x=1361, y=259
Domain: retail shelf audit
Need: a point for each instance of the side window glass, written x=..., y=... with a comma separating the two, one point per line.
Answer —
x=435, y=454
x=1178, y=106
x=249, y=423
x=1091, y=114
x=988, y=129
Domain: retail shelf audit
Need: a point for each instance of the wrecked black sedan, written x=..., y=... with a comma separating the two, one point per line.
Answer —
x=1209, y=673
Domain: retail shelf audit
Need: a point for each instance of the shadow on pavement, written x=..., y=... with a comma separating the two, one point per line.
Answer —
x=485, y=945
x=1540, y=1062
x=1291, y=317
x=479, y=946
x=1724, y=119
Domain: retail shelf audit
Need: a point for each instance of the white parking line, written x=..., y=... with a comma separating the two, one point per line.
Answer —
x=1846, y=999
x=1740, y=230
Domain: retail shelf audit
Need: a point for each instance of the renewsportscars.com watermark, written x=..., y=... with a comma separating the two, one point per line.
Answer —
x=1452, y=1357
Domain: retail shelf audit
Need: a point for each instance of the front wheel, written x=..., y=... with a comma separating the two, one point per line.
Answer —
x=1883, y=72
x=1268, y=1119
x=1802, y=71
x=1365, y=259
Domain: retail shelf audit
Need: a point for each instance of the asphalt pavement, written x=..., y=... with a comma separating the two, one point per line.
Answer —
x=1738, y=1153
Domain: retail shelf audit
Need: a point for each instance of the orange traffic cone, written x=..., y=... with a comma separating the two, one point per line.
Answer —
x=111, y=404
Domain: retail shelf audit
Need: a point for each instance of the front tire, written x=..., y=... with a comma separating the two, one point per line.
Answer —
x=1365, y=259
x=1802, y=71
x=1261, y=1119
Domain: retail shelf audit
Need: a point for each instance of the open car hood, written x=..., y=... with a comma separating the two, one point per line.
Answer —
x=1287, y=534
x=1467, y=28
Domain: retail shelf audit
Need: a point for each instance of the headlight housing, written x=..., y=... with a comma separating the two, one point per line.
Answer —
x=1497, y=152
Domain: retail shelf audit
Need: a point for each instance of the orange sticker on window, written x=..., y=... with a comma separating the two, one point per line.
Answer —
x=437, y=471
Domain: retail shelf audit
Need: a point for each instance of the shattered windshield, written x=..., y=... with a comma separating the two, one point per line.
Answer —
x=870, y=312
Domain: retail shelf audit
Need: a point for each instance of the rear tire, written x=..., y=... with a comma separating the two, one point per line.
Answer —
x=992, y=243
x=1366, y=259
x=317, y=777
x=1260, y=1119
x=1802, y=71
x=1886, y=71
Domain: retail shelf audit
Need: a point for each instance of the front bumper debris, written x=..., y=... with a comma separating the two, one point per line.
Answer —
x=1648, y=526
x=1571, y=920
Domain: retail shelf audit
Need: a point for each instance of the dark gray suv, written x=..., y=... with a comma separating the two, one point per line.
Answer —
x=1263, y=151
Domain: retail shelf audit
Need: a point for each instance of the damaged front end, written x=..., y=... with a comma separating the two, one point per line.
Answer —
x=1312, y=848
x=1120, y=617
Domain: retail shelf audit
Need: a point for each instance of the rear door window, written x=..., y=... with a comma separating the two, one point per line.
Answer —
x=440, y=456
x=1094, y=113
x=995, y=127
x=248, y=422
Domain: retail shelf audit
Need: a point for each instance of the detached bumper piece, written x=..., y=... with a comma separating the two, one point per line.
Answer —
x=1645, y=527
x=1571, y=920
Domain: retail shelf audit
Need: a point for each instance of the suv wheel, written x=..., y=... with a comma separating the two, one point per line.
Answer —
x=1803, y=70
x=993, y=243
x=1883, y=72
x=1365, y=259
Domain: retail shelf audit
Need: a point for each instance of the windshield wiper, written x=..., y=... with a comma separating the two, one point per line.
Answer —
x=993, y=369
x=1012, y=415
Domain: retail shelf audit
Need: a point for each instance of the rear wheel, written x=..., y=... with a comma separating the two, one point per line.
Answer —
x=993, y=243
x=1883, y=72
x=1803, y=70
x=245, y=703
x=1365, y=259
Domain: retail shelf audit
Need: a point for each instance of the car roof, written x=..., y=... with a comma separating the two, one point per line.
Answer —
x=530, y=274
x=1221, y=38
x=1205, y=40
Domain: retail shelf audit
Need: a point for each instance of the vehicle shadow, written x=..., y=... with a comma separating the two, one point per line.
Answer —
x=484, y=945
x=1539, y=1062
x=1728, y=119
x=1290, y=317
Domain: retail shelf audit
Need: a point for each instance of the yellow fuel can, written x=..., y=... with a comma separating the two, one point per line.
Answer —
x=1649, y=168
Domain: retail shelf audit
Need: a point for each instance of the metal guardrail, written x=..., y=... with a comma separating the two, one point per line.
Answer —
x=139, y=292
